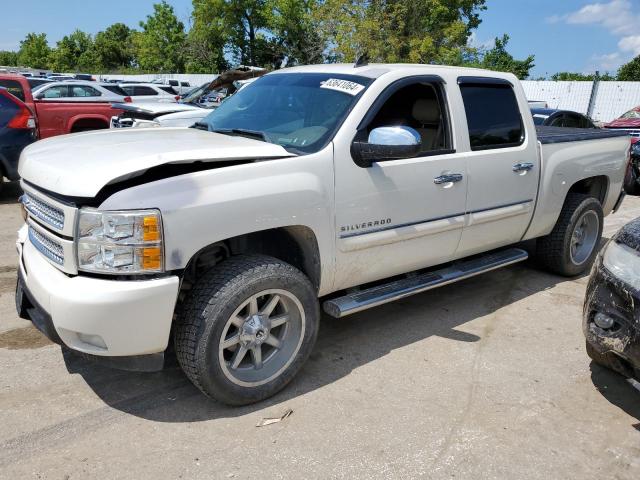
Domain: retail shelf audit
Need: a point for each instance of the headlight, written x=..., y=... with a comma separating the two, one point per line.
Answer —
x=623, y=263
x=126, y=242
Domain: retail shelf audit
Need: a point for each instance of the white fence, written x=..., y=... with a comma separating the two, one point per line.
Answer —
x=610, y=99
x=194, y=79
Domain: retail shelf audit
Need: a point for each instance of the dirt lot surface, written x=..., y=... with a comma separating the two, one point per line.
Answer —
x=487, y=378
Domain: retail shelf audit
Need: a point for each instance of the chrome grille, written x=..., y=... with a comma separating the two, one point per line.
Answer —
x=50, y=249
x=43, y=211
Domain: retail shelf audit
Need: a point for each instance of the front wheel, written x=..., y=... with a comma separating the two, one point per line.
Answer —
x=572, y=245
x=246, y=328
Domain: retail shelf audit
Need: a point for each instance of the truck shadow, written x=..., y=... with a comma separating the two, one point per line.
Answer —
x=343, y=346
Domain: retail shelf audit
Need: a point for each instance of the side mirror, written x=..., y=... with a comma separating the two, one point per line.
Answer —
x=386, y=143
x=40, y=96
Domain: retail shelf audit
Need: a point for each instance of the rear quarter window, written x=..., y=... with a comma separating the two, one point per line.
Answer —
x=493, y=116
x=168, y=90
x=144, y=91
x=115, y=89
x=14, y=88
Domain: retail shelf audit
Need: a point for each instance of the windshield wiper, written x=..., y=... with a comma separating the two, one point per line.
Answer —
x=241, y=132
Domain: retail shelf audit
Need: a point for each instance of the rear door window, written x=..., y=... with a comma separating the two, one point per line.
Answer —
x=493, y=115
x=144, y=91
x=14, y=88
x=59, y=91
x=116, y=89
x=84, y=91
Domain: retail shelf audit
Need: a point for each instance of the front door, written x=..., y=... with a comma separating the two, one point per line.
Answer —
x=401, y=215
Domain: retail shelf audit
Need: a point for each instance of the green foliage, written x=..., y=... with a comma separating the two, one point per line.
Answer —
x=273, y=33
x=418, y=31
x=630, y=72
x=113, y=48
x=74, y=53
x=498, y=59
x=160, y=46
x=293, y=26
x=34, y=51
x=580, y=77
x=8, y=58
x=207, y=37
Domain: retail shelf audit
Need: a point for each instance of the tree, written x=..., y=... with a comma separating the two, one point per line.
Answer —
x=207, y=37
x=8, y=58
x=295, y=33
x=34, y=51
x=247, y=23
x=73, y=53
x=580, y=77
x=161, y=43
x=113, y=48
x=499, y=59
x=630, y=72
x=419, y=31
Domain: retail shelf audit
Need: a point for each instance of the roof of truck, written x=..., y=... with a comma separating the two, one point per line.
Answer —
x=375, y=70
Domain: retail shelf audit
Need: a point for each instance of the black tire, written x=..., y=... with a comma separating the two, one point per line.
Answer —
x=205, y=315
x=553, y=251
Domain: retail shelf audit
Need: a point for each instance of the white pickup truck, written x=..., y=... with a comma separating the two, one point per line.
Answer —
x=333, y=185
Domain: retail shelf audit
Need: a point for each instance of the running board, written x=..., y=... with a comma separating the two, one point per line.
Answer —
x=405, y=287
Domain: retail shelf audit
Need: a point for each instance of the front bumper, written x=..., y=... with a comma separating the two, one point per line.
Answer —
x=608, y=295
x=99, y=317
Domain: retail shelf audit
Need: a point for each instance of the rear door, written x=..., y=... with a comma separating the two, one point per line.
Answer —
x=502, y=164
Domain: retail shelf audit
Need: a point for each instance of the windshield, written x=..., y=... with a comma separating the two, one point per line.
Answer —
x=631, y=114
x=300, y=111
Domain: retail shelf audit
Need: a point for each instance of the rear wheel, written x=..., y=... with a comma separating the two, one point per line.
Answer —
x=246, y=329
x=572, y=245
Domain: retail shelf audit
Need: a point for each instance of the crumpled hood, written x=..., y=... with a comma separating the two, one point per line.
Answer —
x=79, y=165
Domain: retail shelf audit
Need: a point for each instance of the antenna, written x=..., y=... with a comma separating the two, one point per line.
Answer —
x=361, y=60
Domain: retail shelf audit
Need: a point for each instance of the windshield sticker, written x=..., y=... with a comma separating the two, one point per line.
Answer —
x=344, y=86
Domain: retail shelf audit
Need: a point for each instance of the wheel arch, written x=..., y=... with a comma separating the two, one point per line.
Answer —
x=596, y=186
x=295, y=244
x=90, y=120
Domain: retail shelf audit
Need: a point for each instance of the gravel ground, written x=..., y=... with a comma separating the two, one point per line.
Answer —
x=486, y=378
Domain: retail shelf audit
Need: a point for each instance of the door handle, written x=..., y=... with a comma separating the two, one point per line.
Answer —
x=522, y=168
x=448, y=178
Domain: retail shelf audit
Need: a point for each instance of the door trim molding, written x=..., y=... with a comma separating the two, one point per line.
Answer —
x=409, y=231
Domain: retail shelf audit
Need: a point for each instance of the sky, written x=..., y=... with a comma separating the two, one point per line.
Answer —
x=564, y=35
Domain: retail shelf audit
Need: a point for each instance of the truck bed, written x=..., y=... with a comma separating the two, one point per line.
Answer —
x=563, y=135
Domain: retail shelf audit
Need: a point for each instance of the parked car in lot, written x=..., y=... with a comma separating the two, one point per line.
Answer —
x=148, y=92
x=17, y=130
x=320, y=185
x=61, y=115
x=560, y=118
x=181, y=87
x=148, y=114
x=628, y=122
x=78, y=91
x=611, y=321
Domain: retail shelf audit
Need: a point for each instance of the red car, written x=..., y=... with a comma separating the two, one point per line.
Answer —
x=60, y=117
x=629, y=121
